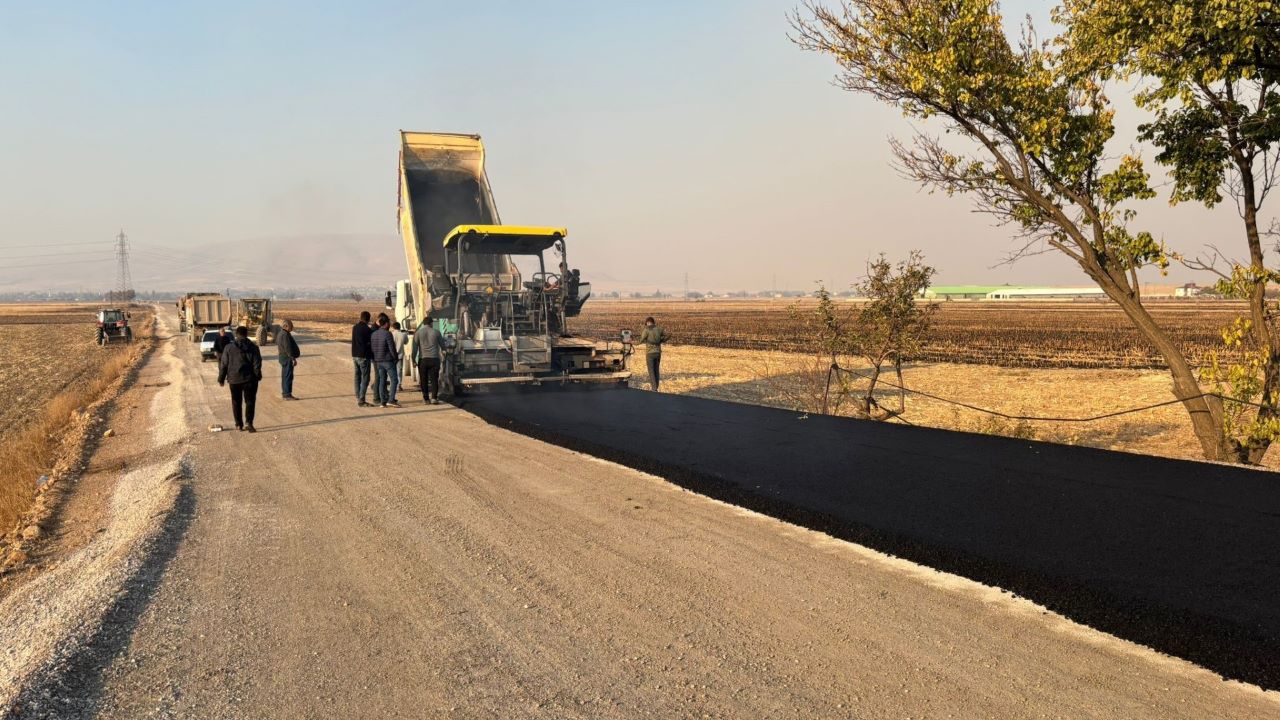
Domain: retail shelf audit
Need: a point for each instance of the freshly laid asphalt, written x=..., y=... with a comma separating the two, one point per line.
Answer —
x=1180, y=556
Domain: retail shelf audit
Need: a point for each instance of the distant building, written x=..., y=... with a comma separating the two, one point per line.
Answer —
x=961, y=292
x=1189, y=290
x=1047, y=293
x=1011, y=292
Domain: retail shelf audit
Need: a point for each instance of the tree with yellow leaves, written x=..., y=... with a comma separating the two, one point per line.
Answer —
x=1031, y=122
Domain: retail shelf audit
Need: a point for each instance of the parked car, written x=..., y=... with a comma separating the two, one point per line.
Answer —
x=206, y=344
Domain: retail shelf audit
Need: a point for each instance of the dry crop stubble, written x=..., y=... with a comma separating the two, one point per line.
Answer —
x=52, y=369
x=1062, y=334
x=1030, y=358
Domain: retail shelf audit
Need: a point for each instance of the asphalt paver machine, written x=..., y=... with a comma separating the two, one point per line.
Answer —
x=499, y=326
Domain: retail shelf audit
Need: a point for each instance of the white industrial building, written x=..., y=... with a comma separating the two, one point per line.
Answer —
x=1046, y=293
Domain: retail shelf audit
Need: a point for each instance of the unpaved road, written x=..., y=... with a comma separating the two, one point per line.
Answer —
x=352, y=563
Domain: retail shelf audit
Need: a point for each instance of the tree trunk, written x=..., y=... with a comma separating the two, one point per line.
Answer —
x=868, y=400
x=902, y=392
x=1254, y=449
x=1205, y=411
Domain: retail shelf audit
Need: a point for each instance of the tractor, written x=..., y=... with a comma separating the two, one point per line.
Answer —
x=113, y=326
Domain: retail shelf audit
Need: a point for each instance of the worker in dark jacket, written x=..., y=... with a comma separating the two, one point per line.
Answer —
x=221, y=342
x=385, y=353
x=652, y=338
x=241, y=365
x=287, y=351
x=361, y=356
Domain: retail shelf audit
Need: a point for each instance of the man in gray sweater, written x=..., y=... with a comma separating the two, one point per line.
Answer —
x=426, y=355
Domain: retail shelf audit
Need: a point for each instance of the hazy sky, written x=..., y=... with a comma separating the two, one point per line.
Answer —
x=670, y=137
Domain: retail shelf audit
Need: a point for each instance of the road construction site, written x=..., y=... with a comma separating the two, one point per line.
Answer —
x=423, y=562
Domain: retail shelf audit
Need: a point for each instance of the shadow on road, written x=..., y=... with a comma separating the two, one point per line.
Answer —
x=375, y=413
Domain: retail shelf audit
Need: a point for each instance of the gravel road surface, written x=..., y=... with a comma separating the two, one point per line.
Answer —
x=347, y=562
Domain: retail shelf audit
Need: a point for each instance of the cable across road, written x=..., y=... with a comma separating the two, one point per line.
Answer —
x=836, y=367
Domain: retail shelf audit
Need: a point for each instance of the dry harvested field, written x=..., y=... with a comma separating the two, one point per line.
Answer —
x=47, y=348
x=50, y=369
x=1027, y=380
x=1084, y=334
x=795, y=382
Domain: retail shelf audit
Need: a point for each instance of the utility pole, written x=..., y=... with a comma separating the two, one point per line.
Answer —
x=686, y=287
x=124, y=281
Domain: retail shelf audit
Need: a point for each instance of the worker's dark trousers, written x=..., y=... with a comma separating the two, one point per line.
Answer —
x=286, y=377
x=653, y=360
x=429, y=377
x=362, y=377
x=248, y=394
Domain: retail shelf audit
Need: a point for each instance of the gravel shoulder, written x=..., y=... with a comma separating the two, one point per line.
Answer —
x=348, y=562
x=100, y=541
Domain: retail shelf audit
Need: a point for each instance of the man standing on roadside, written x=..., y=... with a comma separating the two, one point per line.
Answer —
x=221, y=342
x=361, y=356
x=401, y=338
x=652, y=338
x=426, y=355
x=384, y=359
x=287, y=351
x=241, y=365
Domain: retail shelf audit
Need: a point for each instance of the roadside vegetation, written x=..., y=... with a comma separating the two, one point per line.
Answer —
x=1026, y=133
x=884, y=331
x=48, y=395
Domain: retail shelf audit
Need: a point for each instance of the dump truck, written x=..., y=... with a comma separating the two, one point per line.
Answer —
x=113, y=326
x=204, y=311
x=255, y=314
x=499, y=326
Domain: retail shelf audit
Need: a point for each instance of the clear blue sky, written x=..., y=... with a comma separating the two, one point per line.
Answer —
x=670, y=137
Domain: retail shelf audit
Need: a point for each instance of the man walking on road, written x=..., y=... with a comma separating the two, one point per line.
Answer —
x=241, y=365
x=361, y=356
x=426, y=355
x=384, y=358
x=652, y=338
x=287, y=351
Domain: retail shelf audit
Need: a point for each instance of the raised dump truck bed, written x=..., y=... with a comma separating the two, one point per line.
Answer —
x=499, y=326
x=443, y=185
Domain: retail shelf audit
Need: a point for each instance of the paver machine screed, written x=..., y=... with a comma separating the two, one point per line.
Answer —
x=499, y=326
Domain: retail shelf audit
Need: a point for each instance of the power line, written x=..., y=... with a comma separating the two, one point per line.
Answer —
x=65, y=253
x=46, y=245
x=835, y=368
x=124, y=282
x=53, y=264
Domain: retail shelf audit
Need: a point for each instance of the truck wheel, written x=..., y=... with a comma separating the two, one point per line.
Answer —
x=261, y=336
x=128, y=335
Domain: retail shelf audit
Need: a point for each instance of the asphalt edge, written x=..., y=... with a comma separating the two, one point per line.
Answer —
x=1233, y=651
